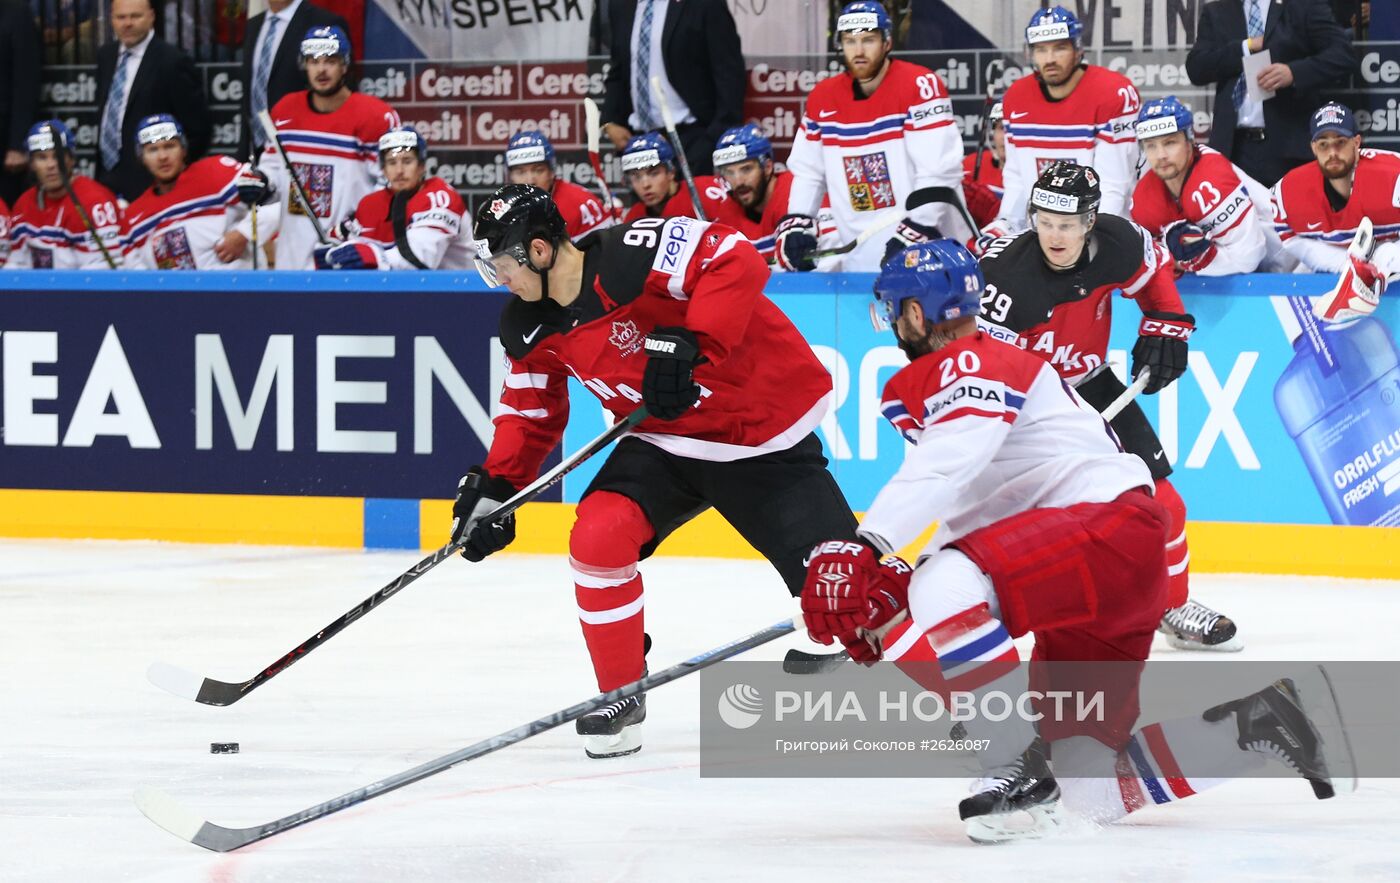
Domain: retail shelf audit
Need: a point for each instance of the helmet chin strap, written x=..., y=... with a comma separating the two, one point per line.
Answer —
x=542, y=272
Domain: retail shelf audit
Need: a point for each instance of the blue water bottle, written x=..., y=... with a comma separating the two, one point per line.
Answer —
x=1339, y=398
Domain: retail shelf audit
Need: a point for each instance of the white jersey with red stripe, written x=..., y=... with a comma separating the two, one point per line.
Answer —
x=49, y=234
x=762, y=388
x=336, y=157
x=435, y=227
x=178, y=229
x=1233, y=209
x=995, y=433
x=583, y=212
x=868, y=154
x=4, y=232
x=1318, y=234
x=1092, y=126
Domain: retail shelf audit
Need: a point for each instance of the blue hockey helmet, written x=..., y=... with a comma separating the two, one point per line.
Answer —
x=1163, y=116
x=741, y=143
x=941, y=275
x=49, y=134
x=159, y=127
x=528, y=147
x=403, y=137
x=645, y=151
x=862, y=15
x=325, y=41
x=1055, y=23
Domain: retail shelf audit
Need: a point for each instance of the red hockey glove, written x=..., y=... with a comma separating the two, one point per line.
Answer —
x=849, y=592
x=1161, y=348
x=1189, y=246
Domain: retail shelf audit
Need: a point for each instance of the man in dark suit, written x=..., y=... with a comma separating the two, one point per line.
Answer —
x=1308, y=51
x=693, y=46
x=139, y=74
x=19, y=92
x=271, y=64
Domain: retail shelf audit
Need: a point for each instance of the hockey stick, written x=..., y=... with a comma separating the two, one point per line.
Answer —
x=677, y=147
x=398, y=220
x=982, y=131
x=593, y=124
x=265, y=120
x=162, y=809
x=253, y=212
x=920, y=197
x=209, y=691
x=1125, y=398
x=66, y=178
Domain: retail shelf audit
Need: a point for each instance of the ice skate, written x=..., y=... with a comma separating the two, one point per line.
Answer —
x=1194, y=626
x=1018, y=801
x=614, y=730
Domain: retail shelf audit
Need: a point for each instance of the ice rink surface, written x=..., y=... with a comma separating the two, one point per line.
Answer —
x=471, y=650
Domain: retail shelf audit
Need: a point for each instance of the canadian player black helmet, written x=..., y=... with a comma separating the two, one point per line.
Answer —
x=515, y=216
x=1066, y=188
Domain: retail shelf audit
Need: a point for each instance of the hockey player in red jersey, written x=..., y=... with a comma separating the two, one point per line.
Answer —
x=414, y=223
x=869, y=138
x=668, y=314
x=993, y=155
x=649, y=169
x=4, y=232
x=47, y=231
x=185, y=219
x=743, y=158
x=1210, y=216
x=530, y=160
x=331, y=134
x=1318, y=208
x=1050, y=291
x=1068, y=110
x=1045, y=526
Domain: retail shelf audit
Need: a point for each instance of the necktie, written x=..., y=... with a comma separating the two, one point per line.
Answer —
x=260, y=74
x=642, y=87
x=1254, y=11
x=112, y=115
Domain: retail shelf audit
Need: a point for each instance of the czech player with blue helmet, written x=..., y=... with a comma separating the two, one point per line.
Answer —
x=530, y=160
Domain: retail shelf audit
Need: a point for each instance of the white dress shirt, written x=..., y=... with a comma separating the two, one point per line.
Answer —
x=680, y=111
x=1251, y=114
x=284, y=18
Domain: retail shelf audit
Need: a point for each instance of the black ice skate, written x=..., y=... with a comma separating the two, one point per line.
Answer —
x=614, y=730
x=1194, y=626
x=1280, y=723
x=1026, y=785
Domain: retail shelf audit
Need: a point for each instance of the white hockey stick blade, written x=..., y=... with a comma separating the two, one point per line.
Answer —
x=173, y=679
x=265, y=120
x=1116, y=406
x=593, y=124
x=167, y=813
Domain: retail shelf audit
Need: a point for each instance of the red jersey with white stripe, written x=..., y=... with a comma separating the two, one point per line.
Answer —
x=990, y=175
x=760, y=230
x=49, y=234
x=178, y=229
x=435, y=228
x=867, y=154
x=4, y=232
x=762, y=389
x=583, y=212
x=1222, y=200
x=336, y=156
x=714, y=199
x=995, y=433
x=1092, y=126
x=1318, y=234
x=1064, y=317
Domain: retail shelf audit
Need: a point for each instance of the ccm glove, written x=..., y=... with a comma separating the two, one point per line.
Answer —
x=478, y=494
x=909, y=233
x=852, y=595
x=252, y=185
x=1189, y=246
x=348, y=256
x=1161, y=348
x=796, y=241
x=668, y=383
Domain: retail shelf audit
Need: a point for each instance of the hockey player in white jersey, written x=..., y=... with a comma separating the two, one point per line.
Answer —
x=414, y=223
x=869, y=138
x=185, y=220
x=1068, y=110
x=331, y=135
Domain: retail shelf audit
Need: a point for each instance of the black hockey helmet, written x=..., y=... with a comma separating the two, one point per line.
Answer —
x=506, y=223
x=1066, y=188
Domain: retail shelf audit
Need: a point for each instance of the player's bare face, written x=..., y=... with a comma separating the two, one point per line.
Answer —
x=1168, y=156
x=747, y=183
x=653, y=186
x=403, y=170
x=999, y=142
x=325, y=75
x=865, y=53
x=1062, y=238
x=1055, y=61
x=536, y=174
x=165, y=160
x=44, y=165
x=1336, y=155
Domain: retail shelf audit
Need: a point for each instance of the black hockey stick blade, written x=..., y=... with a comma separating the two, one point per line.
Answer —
x=163, y=809
x=799, y=662
x=209, y=691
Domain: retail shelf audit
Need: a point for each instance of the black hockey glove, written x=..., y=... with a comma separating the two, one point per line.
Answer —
x=478, y=493
x=668, y=384
x=909, y=233
x=1161, y=348
x=252, y=185
x=796, y=240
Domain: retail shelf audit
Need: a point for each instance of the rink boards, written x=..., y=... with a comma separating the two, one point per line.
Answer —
x=339, y=410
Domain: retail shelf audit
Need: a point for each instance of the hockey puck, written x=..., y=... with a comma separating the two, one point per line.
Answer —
x=223, y=747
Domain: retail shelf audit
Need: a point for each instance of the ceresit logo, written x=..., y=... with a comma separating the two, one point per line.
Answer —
x=1043, y=33
x=522, y=155
x=1055, y=202
x=1157, y=127
x=733, y=153
x=641, y=159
